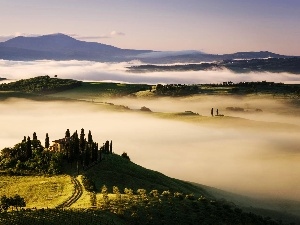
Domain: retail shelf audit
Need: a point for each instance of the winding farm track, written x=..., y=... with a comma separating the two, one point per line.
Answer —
x=75, y=196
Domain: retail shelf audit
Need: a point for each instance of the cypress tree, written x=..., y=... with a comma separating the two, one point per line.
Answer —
x=110, y=147
x=94, y=152
x=100, y=152
x=34, y=137
x=47, y=141
x=34, y=141
x=106, y=147
x=82, y=141
x=28, y=148
x=67, y=147
x=75, y=145
x=67, y=135
x=90, y=137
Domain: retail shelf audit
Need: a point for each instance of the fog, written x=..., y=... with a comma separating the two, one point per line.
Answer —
x=117, y=72
x=273, y=110
x=252, y=160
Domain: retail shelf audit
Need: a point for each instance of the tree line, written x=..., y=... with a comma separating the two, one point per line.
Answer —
x=176, y=89
x=154, y=207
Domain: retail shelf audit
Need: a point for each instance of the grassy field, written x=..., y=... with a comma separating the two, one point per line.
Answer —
x=38, y=191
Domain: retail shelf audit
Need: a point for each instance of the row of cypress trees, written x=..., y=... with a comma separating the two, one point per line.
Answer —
x=77, y=148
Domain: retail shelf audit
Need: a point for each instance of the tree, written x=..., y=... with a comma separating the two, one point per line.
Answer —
x=67, y=135
x=17, y=201
x=34, y=140
x=4, y=202
x=90, y=137
x=110, y=147
x=104, y=192
x=47, y=141
x=28, y=148
x=124, y=155
x=106, y=147
x=87, y=155
x=82, y=141
x=75, y=145
x=94, y=155
x=34, y=137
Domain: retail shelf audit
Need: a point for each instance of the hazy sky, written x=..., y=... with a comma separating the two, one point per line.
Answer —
x=213, y=26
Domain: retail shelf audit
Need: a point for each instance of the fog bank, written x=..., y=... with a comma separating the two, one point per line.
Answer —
x=117, y=72
x=249, y=161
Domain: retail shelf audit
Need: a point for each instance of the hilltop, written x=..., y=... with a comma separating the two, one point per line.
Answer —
x=62, y=47
x=40, y=85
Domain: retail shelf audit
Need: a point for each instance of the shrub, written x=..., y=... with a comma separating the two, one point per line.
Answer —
x=124, y=155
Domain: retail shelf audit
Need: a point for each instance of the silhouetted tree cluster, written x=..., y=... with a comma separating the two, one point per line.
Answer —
x=30, y=156
x=78, y=148
x=6, y=202
x=41, y=84
x=176, y=89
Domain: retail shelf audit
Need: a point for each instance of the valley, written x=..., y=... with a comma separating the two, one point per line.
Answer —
x=227, y=152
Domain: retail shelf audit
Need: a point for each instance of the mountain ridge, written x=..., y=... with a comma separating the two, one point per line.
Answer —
x=63, y=47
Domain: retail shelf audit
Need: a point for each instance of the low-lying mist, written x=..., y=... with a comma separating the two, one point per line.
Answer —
x=248, y=161
x=255, y=108
x=117, y=72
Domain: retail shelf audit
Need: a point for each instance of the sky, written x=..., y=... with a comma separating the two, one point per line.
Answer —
x=212, y=26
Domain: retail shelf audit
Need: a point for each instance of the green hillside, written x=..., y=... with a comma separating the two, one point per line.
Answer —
x=40, y=85
x=115, y=170
x=149, y=198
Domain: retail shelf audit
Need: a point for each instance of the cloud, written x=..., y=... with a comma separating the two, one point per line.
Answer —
x=118, y=72
x=89, y=37
x=110, y=35
x=116, y=33
x=16, y=34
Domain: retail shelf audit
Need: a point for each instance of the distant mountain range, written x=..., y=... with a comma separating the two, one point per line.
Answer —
x=63, y=47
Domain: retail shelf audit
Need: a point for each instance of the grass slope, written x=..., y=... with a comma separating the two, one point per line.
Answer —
x=115, y=170
x=285, y=210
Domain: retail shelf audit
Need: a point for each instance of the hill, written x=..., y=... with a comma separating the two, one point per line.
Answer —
x=61, y=47
x=243, y=65
x=118, y=171
x=145, y=203
x=111, y=188
x=40, y=85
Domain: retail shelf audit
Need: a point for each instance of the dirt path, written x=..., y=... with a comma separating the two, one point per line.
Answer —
x=75, y=196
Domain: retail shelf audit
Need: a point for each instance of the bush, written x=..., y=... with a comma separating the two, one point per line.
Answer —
x=145, y=109
x=124, y=155
x=88, y=184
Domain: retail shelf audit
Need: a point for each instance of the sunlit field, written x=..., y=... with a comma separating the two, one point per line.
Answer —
x=38, y=191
